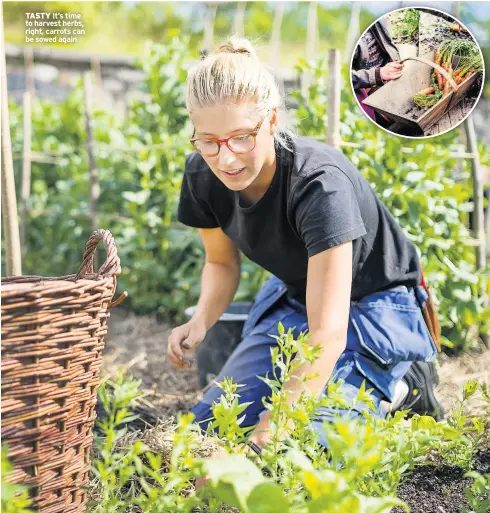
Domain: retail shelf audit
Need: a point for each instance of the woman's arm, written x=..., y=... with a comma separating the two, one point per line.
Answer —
x=363, y=78
x=328, y=294
x=220, y=276
x=219, y=282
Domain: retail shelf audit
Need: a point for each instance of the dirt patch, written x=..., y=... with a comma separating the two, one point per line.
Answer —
x=440, y=489
x=454, y=372
x=139, y=344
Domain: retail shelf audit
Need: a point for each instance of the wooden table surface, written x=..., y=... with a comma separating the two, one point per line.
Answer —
x=451, y=118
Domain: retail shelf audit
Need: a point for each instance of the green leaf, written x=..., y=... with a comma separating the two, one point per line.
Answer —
x=267, y=498
x=233, y=477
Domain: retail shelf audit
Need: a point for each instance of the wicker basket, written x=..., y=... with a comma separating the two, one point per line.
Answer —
x=53, y=333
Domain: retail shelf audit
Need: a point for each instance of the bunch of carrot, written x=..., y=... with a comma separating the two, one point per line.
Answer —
x=427, y=97
x=469, y=62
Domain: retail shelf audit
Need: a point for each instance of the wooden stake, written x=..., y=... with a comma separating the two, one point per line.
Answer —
x=96, y=70
x=10, y=219
x=94, y=175
x=29, y=70
x=239, y=22
x=275, y=43
x=26, y=172
x=208, y=41
x=311, y=45
x=353, y=31
x=97, y=74
x=478, y=212
x=333, y=101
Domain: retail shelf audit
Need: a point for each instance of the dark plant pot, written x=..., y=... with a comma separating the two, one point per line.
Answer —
x=220, y=341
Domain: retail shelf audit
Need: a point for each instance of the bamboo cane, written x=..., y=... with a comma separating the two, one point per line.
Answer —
x=333, y=101
x=239, y=22
x=208, y=41
x=26, y=170
x=10, y=219
x=94, y=174
x=478, y=213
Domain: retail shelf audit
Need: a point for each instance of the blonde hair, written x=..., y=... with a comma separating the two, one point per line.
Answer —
x=233, y=74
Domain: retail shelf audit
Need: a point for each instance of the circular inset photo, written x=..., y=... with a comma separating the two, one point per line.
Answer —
x=417, y=72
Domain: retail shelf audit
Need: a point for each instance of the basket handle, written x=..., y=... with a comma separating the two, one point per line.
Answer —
x=441, y=70
x=111, y=266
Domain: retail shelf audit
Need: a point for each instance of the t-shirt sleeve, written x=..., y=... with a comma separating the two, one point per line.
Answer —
x=193, y=210
x=327, y=211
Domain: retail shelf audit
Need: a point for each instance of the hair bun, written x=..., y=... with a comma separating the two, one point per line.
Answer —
x=236, y=44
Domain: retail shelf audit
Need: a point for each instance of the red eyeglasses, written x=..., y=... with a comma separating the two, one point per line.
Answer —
x=242, y=143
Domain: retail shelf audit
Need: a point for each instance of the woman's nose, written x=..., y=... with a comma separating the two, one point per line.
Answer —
x=225, y=157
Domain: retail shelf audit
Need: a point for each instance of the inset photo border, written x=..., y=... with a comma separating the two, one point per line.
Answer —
x=417, y=72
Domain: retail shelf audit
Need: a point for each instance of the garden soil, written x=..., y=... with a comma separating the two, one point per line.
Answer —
x=439, y=489
x=138, y=344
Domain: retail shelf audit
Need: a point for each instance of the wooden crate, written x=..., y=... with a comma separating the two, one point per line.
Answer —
x=394, y=99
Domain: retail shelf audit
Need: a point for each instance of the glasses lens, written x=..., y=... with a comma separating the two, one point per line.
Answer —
x=207, y=147
x=242, y=143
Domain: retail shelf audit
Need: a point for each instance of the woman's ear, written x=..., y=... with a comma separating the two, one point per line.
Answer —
x=274, y=121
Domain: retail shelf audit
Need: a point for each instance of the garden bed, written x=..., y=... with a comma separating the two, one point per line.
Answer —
x=139, y=345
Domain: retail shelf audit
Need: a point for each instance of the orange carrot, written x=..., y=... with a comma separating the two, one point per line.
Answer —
x=440, y=82
x=457, y=72
x=429, y=90
x=446, y=88
x=443, y=78
x=458, y=80
x=468, y=73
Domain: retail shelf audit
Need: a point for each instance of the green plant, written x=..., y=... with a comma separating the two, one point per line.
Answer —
x=366, y=460
x=284, y=477
x=478, y=494
x=472, y=429
x=130, y=475
x=15, y=498
x=407, y=28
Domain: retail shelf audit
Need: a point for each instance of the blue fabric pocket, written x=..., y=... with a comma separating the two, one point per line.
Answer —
x=389, y=327
x=272, y=290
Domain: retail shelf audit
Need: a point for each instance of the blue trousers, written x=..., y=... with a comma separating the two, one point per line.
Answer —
x=386, y=333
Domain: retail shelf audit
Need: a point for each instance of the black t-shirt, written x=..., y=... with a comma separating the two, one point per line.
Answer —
x=317, y=200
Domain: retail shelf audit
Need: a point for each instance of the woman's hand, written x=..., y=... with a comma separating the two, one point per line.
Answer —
x=183, y=340
x=391, y=71
x=219, y=453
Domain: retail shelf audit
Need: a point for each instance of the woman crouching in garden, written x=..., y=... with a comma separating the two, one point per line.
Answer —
x=342, y=268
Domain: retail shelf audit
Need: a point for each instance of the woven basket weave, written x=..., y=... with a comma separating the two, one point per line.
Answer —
x=53, y=333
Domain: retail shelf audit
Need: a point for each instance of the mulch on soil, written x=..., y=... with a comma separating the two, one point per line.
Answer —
x=139, y=345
